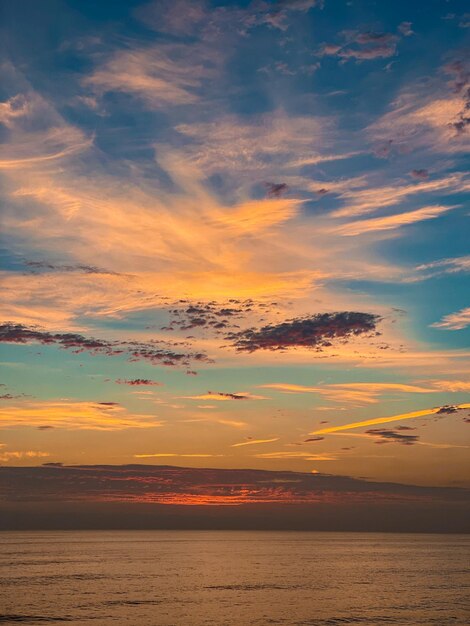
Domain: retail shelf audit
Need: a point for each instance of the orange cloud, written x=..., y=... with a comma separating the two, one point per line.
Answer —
x=452, y=385
x=306, y=456
x=253, y=442
x=173, y=454
x=6, y=457
x=371, y=199
x=74, y=415
x=391, y=222
x=455, y=321
x=384, y=420
x=355, y=393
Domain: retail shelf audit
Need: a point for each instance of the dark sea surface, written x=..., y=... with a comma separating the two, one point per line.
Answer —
x=233, y=577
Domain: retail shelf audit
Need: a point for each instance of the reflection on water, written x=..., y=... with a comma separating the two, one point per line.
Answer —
x=233, y=577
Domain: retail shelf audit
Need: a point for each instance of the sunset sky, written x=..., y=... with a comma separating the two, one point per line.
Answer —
x=235, y=235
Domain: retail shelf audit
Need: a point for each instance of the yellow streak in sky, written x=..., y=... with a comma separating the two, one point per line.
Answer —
x=253, y=442
x=384, y=420
x=163, y=454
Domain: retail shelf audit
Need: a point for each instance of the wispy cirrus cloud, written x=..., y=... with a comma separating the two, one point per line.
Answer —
x=252, y=149
x=209, y=23
x=74, y=415
x=426, y=117
x=215, y=419
x=371, y=198
x=445, y=266
x=36, y=135
x=392, y=222
x=454, y=321
x=452, y=385
x=161, y=76
x=352, y=393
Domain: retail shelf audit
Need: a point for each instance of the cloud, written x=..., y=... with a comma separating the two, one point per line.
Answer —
x=352, y=393
x=50, y=143
x=384, y=435
x=178, y=17
x=74, y=415
x=248, y=150
x=405, y=29
x=221, y=396
x=368, y=54
x=376, y=38
x=455, y=321
x=306, y=456
x=137, y=382
x=172, y=454
x=9, y=396
x=147, y=242
x=424, y=116
x=449, y=409
x=216, y=419
x=260, y=215
x=11, y=332
x=254, y=442
x=445, y=266
x=15, y=107
x=186, y=315
x=359, y=201
x=6, y=457
x=277, y=16
x=392, y=222
x=460, y=71
x=37, y=135
x=153, y=484
x=60, y=267
x=275, y=190
x=196, y=18
x=452, y=385
x=421, y=174
x=372, y=46
x=386, y=420
x=317, y=331
x=160, y=76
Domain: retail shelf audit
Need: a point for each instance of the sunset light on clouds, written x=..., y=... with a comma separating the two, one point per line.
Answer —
x=227, y=227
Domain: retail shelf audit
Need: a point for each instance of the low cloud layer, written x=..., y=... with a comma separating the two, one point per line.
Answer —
x=140, y=496
x=193, y=486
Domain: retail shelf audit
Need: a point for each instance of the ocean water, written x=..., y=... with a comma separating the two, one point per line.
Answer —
x=145, y=578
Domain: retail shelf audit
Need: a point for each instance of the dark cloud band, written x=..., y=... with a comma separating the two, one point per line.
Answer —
x=317, y=331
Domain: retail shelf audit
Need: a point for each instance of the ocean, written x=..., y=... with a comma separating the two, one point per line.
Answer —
x=153, y=578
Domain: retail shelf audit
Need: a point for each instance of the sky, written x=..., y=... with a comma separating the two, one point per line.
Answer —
x=235, y=235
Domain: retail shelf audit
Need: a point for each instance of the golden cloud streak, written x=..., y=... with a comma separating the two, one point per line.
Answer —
x=253, y=442
x=384, y=420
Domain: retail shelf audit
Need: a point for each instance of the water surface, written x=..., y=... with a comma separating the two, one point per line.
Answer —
x=162, y=578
